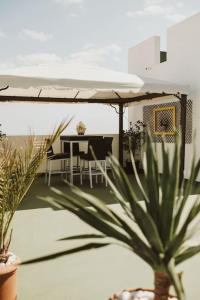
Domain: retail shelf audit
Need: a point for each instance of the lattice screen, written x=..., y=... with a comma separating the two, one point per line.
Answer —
x=155, y=116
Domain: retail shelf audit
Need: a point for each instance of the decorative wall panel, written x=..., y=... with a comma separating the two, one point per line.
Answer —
x=164, y=119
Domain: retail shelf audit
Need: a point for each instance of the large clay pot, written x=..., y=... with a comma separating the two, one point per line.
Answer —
x=8, y=281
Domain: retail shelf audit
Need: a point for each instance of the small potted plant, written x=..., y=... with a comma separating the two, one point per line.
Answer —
x=158, y=222
x=18, y=168
x=80, y=128
x=133, y=139
x=2, y=135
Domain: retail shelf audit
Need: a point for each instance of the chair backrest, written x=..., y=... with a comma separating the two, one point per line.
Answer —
x=92, y=138
x=75, y=146
x=108, y=141
x=99, y=148
x=50, y=152
x=95, y=137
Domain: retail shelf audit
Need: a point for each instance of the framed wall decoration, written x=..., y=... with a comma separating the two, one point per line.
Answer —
x=164, y=120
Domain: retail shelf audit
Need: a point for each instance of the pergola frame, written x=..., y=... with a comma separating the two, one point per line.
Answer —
x=121, y=102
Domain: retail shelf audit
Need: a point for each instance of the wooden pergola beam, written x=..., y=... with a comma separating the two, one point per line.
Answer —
x=147, y=96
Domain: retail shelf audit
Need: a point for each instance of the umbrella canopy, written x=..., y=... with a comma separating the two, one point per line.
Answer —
x=60, y=83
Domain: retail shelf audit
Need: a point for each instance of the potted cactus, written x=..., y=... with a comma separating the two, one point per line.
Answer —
x=158, y=223
x=18, y=167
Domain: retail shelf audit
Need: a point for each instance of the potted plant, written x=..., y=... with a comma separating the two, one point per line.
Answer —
x=158, y=229
x=18, y=167
x=2, y=135
x=133, y=139
x=80, y=128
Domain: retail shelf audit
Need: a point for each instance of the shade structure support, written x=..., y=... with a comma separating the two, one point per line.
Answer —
x=183, y=104
x=121, y=114
x=4, y=88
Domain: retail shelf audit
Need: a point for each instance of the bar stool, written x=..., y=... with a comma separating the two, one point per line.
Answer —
x=52, y=157
x=108, y=141
x=99, y=148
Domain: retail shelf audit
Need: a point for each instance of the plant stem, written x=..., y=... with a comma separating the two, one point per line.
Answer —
x=162, y=284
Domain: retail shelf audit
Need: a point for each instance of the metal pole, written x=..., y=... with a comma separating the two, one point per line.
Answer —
x=183, y=104
x=121, y=134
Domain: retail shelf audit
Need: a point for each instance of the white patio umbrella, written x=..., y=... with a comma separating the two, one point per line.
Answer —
x=62, y=81
x=80, y=82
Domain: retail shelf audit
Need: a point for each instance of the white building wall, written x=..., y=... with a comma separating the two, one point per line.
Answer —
x=148, y=53
x=182, y=67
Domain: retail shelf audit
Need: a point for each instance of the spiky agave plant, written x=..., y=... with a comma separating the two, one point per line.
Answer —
x=18, y=167
x=165, y=222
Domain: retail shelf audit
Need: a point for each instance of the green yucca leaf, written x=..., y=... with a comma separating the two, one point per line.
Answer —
x=180, y=237
x=134, y=241
x=89, y=216
x=195, y=167
x=97, y=204
x=139, y=246
x=151, y=175
x=186, y=254
x=120, y=199
x=123, y=183
x=175, y=279
x=138, y=181
x=83, y=236
x=142, y=217
x=89, y=246
x=170, y=191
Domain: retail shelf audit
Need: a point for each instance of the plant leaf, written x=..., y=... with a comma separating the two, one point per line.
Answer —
x=83, y=236
x=89, y=246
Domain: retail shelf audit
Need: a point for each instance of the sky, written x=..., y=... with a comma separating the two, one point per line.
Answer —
x=91, y=32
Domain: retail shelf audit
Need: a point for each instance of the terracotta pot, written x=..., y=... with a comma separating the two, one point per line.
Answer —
x=116, y=296
x=8, y=281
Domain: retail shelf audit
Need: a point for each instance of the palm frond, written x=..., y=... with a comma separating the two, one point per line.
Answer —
x=18, y=169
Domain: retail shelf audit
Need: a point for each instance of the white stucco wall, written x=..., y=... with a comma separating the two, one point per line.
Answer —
x=182, y=66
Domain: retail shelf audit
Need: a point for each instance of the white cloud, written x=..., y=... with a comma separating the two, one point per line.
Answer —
x=89, y=45
x=176, y=18
x=89, y=56
x=95, y=56
x=69, y=2
x=73, y=15
x=36, y=35
x=38, y=59
x=6, y=65
x=159, y=8
x=151, y=8
x=179, y=4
